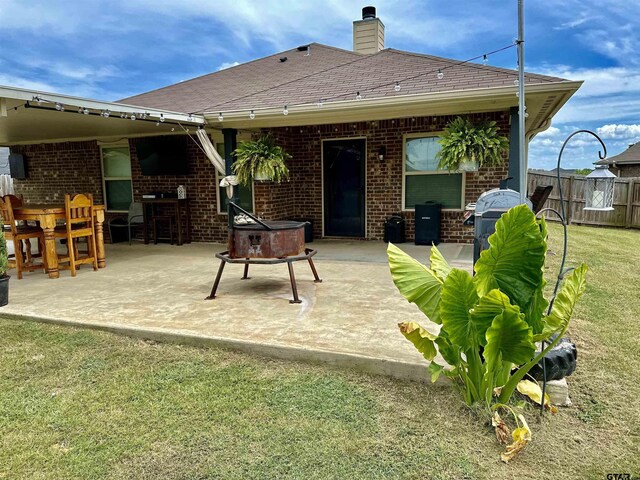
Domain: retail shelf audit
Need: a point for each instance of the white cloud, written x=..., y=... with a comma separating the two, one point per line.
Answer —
x=618, y=131
x=549, y=132
x=19, y=82
x=226, y=65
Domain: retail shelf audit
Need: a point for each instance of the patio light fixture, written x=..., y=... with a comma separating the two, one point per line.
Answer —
x=220, y=117
x=382, y=151
x=599, y=189
x=285, y=110
x=252, y=115
x=440, y=75
x=397, y=87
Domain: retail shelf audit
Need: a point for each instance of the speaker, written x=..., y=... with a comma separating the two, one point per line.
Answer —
x=17, y=166
x=428, y=219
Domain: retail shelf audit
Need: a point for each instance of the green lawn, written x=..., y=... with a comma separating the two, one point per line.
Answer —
x=84, y=404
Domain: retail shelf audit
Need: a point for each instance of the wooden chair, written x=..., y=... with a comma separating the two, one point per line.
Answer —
x=79, y=223
x=18, y=234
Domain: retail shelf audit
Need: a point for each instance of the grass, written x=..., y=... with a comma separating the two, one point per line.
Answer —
x=85, y=404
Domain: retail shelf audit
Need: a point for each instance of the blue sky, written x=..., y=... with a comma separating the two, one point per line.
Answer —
x=111, y=49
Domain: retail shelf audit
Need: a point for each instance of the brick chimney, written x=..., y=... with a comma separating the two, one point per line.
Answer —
x=368, y=33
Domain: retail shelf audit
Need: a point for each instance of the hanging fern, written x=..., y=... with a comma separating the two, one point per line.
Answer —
x=463, y=141
x=260, y=158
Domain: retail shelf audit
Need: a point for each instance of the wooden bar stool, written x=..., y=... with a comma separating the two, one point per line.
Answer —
x=169, y=220
x=78, y=224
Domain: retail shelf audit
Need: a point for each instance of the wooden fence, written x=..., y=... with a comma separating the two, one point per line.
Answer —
x=626, y=200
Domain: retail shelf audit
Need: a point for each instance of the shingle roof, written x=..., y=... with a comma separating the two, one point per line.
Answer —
x=326, y=73
x=630, y=156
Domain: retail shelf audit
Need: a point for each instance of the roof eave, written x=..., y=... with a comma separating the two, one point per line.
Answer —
x=436, y=103
x=27, y=95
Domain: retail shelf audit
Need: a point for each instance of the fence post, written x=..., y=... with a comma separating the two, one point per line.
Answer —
x=629, y=212
x=572, y=180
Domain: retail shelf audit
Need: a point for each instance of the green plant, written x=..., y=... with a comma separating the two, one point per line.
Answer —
x=489, y=322
x=260, y=158
x=464, y=142
x=3, y=256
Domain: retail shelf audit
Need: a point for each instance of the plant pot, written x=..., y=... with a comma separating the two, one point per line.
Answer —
x=261, y=176
x=468, y=166
x=4, y=290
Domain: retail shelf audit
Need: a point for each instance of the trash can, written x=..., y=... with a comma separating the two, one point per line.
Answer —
x=428, y=222
x=118, y=230
x=394, y=229
x=308, y=228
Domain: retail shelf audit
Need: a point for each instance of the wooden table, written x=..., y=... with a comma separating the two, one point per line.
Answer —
x=46, y=216
x=180, y=206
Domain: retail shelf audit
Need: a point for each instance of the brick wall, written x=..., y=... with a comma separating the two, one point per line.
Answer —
x=384, y=178
x=71, y=167
x=55, y=169
x=628, y=170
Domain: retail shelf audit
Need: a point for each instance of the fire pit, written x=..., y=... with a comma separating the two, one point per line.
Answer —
x=268, y=240
x=267, y=243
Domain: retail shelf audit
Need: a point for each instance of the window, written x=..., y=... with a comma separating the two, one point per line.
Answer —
x=245, y=194
x=116, y=177
x=423, y=181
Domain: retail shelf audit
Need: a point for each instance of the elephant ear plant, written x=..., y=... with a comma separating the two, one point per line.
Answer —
x=489, y=323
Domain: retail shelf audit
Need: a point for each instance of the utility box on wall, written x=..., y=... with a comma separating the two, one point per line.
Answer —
x=17, y=166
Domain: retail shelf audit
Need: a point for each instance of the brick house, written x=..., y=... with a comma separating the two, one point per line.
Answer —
x=361, y=126
x=625, y=164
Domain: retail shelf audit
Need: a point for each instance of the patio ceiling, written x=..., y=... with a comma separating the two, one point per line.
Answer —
x=24, y=120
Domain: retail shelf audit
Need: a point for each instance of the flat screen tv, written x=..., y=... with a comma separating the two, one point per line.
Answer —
x=163, y=155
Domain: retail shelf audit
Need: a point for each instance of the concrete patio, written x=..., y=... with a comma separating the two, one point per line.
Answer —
x=158, y=291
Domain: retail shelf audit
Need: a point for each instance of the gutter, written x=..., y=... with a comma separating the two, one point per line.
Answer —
x=500, y=96
x=26, y=95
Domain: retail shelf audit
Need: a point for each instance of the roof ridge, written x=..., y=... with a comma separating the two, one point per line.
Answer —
x=331, y=47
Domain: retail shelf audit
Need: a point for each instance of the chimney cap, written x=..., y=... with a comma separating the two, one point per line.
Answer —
x=368, y=13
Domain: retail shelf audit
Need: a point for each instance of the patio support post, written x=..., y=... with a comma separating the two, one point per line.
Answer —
x=522, y=154
x=230, y=144
x=514, y=151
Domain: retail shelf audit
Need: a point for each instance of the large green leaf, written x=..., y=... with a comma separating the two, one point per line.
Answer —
x=457, y=299
x=509, y=339
x=416, y=282
x=421, y=339
x=514, y=261
x=438, y=264
x=539, y=304
x=489, y=307
x=448, y=351
x=565, y=303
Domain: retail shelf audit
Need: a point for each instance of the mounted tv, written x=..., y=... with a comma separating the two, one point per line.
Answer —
x=165, y=155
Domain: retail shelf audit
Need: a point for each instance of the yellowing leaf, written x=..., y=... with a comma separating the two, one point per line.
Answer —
x=534, y=392
x=421, y=339
x=521, y=437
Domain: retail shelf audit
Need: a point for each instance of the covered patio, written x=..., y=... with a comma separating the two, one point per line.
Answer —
x=158, y=292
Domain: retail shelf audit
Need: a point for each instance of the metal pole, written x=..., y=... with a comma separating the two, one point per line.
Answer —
x=521, y=107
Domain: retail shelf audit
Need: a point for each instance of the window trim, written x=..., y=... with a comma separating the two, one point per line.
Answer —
x=435, y=172
x=121, y=144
